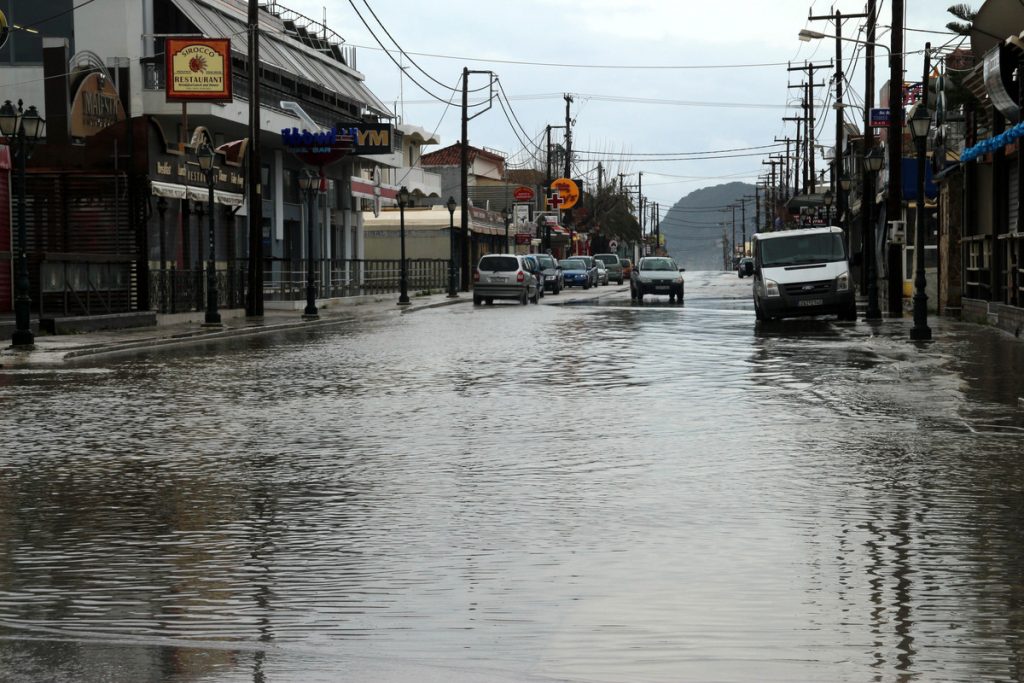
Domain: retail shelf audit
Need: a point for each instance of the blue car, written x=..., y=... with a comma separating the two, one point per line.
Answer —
x=575, y=273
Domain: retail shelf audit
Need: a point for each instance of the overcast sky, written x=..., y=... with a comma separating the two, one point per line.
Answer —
x=622, y=111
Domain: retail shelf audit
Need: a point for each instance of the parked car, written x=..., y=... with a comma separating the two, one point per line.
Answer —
x=741, y=267
x=575, y=273
x=552, y=273
x=602, y=272
x=532, y=263
x=504, y=276
x=613, y=264
x=657, y=275
x=627, y=268
x=591, y=268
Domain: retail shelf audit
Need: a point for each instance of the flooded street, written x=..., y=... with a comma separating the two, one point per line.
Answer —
x=595, y=491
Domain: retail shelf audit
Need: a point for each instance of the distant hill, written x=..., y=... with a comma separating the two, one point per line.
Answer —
x=693, y=227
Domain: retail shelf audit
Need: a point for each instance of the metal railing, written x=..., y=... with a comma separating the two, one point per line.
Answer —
x=181, y=291
x=85, y=287
x=285, y=281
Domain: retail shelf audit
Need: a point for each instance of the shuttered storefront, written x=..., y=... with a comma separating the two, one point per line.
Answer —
x=82, y=249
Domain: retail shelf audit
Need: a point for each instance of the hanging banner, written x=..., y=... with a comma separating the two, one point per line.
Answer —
x=198, y=69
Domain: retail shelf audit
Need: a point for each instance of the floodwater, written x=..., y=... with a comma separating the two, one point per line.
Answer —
x=590, y=492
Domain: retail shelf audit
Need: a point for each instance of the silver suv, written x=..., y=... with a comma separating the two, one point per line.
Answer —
x=504, y=276
x=612, y=264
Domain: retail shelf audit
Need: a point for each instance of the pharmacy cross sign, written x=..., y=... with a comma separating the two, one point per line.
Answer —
x=555, y=200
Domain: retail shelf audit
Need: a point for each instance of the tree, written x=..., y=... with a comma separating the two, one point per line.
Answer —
x=609, y=213
x=965, y=14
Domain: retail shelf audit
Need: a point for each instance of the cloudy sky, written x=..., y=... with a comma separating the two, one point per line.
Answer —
x=623, y=61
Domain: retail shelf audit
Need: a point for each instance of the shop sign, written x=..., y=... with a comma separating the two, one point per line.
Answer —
x=96, y=106
x=319, y=148
x=568, y=192
x=880, y=117
x=523, y=194
x=523, y=237
x=5, y=29
x=198, y=69
x=368, y=138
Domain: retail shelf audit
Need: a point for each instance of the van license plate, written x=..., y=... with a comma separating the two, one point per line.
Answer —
x=809, y=302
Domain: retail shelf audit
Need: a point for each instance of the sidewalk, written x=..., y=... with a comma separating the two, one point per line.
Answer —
x=61, y=349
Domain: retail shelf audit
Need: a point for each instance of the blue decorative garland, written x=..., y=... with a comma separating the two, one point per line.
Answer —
x=992, y=144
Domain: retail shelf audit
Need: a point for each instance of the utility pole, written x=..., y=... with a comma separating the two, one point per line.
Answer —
x=869, y=274
x=464, y=154
x=743, y=225
x=568, y=138
x=897, y=121
x=788, y=140
x=640, y=208
x=254, y=205
x=809, y=113
x=799, y=120
x=840, y=117
x=725, y=249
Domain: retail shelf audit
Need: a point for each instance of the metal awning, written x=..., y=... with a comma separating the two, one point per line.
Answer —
x=196, y=194
x=226, y=19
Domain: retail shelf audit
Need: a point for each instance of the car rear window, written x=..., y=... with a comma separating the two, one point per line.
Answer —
x=498, y=263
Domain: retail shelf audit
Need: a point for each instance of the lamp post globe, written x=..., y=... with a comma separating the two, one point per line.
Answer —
x=403, y=283
x=204, y=157
x=920, y=123
x=309, y=182
x=827, y=201
x=22, y=128
x=452, y=285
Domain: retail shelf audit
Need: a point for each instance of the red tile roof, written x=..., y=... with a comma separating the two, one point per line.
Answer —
x=452, y=156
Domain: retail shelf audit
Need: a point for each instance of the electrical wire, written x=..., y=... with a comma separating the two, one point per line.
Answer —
x=58, y=15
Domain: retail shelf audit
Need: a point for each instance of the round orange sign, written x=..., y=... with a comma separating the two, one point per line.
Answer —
x=568, y=193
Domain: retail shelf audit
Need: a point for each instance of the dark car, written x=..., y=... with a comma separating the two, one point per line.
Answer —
x=741, y=267
x=551, y=273
x=533, y=266
x=613, y=264
x=595, y=278
x=575, y=273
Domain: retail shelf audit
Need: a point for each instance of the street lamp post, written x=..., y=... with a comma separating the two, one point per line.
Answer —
x=403, y=284
x=24, y=128
x=508, y=221
x=827, y=200
x=204, y=156
x=920, y=122
x=452, y=284
x=310, y=185
x=873, y=161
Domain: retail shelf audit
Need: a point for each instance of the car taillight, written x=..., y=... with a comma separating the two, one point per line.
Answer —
x=476, y=275
x=520, y=276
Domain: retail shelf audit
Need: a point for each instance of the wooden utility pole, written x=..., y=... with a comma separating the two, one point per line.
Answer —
x=840, y=116
x=254, y=172
x=809, y=117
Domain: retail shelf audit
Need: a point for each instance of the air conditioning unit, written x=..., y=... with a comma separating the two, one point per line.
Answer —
x=898, y=232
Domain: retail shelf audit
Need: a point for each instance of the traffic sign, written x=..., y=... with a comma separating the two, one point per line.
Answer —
x=880, y=118
x=613, y=245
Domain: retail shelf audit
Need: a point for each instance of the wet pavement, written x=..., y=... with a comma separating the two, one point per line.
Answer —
x=585, y=490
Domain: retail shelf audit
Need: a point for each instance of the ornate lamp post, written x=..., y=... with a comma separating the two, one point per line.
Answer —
x=452, y=284
x=920, y=122
x=204, y=156
x=827, y=200
x=310, y=185
x=873, y=161
x=23, y=128
x=403, y=199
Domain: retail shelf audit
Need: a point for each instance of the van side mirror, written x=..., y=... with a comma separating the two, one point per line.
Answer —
x=682, y=270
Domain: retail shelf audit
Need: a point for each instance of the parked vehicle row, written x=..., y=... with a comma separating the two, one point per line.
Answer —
x=525, y=277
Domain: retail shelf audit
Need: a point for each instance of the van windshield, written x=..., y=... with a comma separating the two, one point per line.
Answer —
x=802, y=249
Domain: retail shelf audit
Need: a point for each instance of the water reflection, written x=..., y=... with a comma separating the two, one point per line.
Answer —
x=591, y=493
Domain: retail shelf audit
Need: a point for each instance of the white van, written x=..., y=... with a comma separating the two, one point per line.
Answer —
x=802, y=273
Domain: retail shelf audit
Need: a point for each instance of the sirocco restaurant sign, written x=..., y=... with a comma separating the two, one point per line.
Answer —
x=198, y=69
